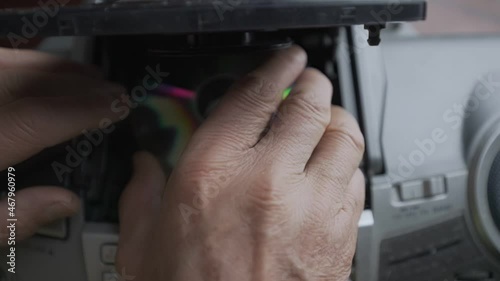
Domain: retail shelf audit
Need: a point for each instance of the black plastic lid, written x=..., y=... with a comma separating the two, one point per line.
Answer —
x=198, y=16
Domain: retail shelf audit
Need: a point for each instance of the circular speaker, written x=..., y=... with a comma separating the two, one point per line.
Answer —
x=485, y=189
x=494, y=190
x=481, y=136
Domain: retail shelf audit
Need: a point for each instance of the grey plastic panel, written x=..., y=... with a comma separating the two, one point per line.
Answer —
x=432, y=253
x=94, y=239
x=394, y=217
x=430, y=81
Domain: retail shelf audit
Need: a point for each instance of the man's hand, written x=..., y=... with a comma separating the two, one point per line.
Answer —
x=266, y=190
x=45, y=101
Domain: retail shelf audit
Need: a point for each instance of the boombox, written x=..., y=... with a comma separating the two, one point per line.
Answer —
x=429, y=108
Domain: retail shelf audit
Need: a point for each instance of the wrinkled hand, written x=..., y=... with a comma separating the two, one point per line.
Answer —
x=266, y=190
x=45, y=101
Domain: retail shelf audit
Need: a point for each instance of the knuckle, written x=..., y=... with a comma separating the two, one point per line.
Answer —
x=265, y=196
x=263, y=192
x=338, y=181
x=307, y=107
x=201, y=175
x=321, y=79
x=348, y=139
x=344, y=123
x=226, y=137
x=331, y=180
x=207, y=179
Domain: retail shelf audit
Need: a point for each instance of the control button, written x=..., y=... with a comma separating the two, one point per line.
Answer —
x=108, y=253
x=435, y=186
x=58, y=229
x=110, y=276
x=411, y=190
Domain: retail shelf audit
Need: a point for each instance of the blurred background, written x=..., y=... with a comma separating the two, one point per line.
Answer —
x=461, y=16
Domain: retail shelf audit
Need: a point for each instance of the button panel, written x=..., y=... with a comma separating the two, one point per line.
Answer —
x=411, y=190
x=435, y=186
x=418, y=189
x=99, y=248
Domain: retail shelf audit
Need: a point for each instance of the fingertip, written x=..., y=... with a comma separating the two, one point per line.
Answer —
x=316, y=85
x=297, y=55
x=57, y=202
x=72, y=203
x=291, y=62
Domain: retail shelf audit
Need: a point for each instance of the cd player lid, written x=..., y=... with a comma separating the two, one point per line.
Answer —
x=104, y=17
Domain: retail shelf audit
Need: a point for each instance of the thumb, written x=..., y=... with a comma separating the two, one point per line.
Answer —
x=34, y=208
x=139, y=205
